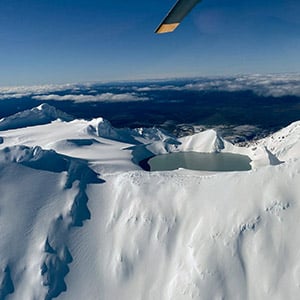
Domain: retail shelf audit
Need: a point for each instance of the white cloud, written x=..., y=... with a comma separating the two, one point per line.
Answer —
x=14, y=96
x=105, y=97
x=275, y=85
x=263, y=85
x=48, y=92
x=26, y=91
x=158, y=88
x=36, y=89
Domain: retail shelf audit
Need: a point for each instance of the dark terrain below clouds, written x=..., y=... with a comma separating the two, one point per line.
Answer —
x=263, y=102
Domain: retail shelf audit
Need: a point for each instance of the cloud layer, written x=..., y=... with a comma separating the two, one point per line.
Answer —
x=26, y=91
x=49, y=92
x=105, y=97
x=274, y=85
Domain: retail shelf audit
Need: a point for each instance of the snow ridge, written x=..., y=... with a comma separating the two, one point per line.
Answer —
x=56, y=257
x=42, y=114
x=285, y=143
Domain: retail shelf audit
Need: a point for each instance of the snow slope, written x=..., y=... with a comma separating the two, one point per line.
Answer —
x=79, y=219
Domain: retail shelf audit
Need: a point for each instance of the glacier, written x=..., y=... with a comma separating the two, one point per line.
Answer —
x=79, y=219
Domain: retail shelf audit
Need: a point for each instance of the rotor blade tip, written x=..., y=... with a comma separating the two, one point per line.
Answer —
x=165, y=28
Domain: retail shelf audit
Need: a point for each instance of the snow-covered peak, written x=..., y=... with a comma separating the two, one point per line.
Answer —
x=206, y=141
x=42, y=114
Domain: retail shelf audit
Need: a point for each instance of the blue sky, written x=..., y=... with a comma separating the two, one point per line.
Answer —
x=58, y=41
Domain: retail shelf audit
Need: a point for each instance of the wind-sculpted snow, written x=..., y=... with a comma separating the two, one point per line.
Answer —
x=49, y=160
x=6, y=284
x=68, y=233
x=56, y=258
x=285, y=144
x=103, y=128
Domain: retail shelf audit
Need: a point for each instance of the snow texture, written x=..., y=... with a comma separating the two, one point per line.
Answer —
x=79, y=218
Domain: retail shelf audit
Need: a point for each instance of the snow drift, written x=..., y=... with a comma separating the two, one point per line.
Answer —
x=79, y=219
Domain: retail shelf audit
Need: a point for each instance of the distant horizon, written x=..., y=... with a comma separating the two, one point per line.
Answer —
x=265, y=102
x=149, y=79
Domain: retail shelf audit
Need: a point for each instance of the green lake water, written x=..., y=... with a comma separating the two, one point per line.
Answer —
x=223, y=162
